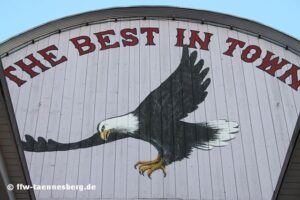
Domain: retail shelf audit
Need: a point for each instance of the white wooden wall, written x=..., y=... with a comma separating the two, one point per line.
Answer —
x=68, y=101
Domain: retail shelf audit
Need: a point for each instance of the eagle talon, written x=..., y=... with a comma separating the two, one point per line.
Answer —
x=150, y=166
x=143, y=168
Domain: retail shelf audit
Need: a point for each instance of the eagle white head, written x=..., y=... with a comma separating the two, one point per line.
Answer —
x=125, y=124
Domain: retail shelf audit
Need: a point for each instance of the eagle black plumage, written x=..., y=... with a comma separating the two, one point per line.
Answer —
x=159, y=120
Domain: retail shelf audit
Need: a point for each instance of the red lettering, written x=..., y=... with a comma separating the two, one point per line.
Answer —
x=233, y=45
x=83, y=44
x=180, y=37
x=8, y=74
x=103, y=39
x=129, y=36
x=271, y=65
x=149, y=34
x=28, y=68
x=246, y=52
x=203, y=43
x=293, y=73
x=50, y=57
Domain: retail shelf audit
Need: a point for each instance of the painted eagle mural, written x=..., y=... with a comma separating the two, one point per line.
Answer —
x=158, y=121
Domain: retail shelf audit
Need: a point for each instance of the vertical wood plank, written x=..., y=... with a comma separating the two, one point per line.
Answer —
x=111, y=111
x=245, y=125
x=239, y=166
x=192, y=162
x=211, y=114
x=97, y=165
x=204, y=167
x=88, y=125
x=157, y=182
x=296, y=94
x=123, y=108
x=166, y=44
x=133, y=176
x=55, y=113
x=280, y=126
x=145, y=82
x=14, y=90
x=43, y=121
x=21, y=105
x=233, y=168
x=32, y=127
x=65, y=112
x=286, y=93
x=221, y=88
x=181, y=182
x=266, y=123
x=256, y=125
x=77, y=120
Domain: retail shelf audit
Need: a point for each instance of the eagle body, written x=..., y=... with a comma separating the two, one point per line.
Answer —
x=158, y=120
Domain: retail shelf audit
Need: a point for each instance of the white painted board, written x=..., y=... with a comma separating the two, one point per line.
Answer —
x=66, y=103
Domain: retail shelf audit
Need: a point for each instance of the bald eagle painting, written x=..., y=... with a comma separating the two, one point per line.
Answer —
x=158, y=120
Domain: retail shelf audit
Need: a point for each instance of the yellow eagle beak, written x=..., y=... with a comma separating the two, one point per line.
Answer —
x=104, y=134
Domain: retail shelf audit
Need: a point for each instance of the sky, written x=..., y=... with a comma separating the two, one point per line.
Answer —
x=18, y=16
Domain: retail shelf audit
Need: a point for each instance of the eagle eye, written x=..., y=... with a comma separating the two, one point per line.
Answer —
x=103, y=128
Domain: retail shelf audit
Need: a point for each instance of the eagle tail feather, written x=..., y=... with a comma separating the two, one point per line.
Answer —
x=223, y=130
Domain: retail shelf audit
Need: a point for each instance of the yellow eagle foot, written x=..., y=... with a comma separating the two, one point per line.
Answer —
x=151, y=166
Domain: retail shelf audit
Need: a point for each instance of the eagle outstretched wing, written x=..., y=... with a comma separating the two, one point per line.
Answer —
x=183, y=90
x=44, y=145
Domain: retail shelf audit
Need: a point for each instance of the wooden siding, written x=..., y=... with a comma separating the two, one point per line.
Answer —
x=291, y=184
x=289, y=180
x=9, y=150
x=67, y=102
